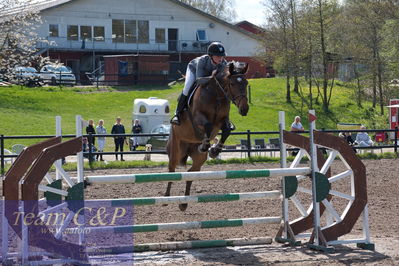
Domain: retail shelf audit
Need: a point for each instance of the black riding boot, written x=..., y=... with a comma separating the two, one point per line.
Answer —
x=180, y=106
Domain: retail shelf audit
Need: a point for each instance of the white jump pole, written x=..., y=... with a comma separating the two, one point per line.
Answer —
x=58, y=133
x=283, y=164
x=314, y=168
x=79, y=155
x=80, y=167
x=4, y=233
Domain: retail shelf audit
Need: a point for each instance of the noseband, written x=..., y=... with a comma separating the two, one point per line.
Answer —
x=229, y=97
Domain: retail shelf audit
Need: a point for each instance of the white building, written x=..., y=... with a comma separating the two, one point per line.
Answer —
x=86, y=30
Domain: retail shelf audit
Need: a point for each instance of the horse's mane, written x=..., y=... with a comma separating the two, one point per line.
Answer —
x=238, y=67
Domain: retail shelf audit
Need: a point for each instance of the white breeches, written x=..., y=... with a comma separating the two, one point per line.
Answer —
x=190, y=79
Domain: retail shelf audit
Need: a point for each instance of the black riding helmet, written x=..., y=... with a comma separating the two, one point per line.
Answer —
x=216, y=48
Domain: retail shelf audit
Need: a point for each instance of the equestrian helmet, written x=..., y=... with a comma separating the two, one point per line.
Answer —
x=216, y=48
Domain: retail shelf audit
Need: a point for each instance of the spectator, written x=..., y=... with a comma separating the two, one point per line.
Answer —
x=363, y=139
x=136, y=129
x=90, y=130
x=101, y=130
x=296, y=125
x=118, y=128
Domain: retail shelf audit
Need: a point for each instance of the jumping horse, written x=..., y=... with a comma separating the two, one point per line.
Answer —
x=207, y=114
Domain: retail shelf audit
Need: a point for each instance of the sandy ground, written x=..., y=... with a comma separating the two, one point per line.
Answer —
x=383, y=207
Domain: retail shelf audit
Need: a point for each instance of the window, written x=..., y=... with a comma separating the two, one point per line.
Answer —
x=85, y=33
x=143, y=29
x=130, y=31
x=201, y=35
x=72, y=32
x=160, y=35
x=142, y=109
x=99, y=34
x=117, y=30
x=53, y=30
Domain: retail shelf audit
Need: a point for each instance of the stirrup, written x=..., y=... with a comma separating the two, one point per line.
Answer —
x=175, y=120
x=231, y=126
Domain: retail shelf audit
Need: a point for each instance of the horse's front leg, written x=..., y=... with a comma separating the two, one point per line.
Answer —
x=217, y=149
x=206, y=142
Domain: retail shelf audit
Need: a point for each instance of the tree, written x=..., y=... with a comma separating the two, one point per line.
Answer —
x=277, y=38
x=18, y=36
x=223, y=9
x=370, y=19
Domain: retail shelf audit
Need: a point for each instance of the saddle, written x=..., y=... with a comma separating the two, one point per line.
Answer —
x=199, y=81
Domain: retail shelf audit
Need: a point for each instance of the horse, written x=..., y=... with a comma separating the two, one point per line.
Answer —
x=207, y=114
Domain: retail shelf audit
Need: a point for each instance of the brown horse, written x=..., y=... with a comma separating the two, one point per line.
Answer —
x=207, y=113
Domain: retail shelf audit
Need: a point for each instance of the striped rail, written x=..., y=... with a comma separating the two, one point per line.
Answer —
x=181, y=245
x=196, y=176
x=140, y=228
x=193, y=199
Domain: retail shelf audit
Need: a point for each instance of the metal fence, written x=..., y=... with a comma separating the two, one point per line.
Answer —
x=243, y=147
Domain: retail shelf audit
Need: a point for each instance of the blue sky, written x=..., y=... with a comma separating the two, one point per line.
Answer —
x=250, y=10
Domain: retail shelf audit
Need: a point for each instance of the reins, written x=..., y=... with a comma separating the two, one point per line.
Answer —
x=229, y=98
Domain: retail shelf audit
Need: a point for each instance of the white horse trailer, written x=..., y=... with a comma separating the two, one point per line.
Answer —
x=150, y=112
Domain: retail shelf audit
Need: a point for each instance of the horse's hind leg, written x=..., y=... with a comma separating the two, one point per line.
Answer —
x=173, y=151
x=199, y=159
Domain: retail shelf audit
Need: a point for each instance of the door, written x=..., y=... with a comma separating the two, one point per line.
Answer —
x=74, y=64
x=172, y=39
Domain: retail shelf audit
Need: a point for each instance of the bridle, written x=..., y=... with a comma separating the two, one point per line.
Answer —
x=229, y=97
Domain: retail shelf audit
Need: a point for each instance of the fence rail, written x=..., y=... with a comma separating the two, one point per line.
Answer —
x=248, y=149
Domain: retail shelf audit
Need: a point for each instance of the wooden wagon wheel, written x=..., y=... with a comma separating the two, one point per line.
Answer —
x=335, y=224
x=41, y=156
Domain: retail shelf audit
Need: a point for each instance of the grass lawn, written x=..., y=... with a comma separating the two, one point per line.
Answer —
x=32, y=111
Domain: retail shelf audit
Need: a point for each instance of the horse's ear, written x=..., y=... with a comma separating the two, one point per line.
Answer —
x=245, y=69
x=231, y=68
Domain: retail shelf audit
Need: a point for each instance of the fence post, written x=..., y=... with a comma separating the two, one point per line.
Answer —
x=249, y=94
x=60, y=79
x=396, y=140
x=249, y=142
x=90, y=138
x=97, y=77
x=2, y=153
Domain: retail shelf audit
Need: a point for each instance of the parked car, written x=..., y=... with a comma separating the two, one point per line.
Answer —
x=57, y=75
x=157, y=142
x=27, y=76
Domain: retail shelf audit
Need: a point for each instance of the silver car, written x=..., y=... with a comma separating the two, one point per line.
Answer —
x=27, y=76
x=57, y=75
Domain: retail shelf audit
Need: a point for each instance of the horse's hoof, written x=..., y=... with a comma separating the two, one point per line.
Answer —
x=183, y=207
x=213, y=153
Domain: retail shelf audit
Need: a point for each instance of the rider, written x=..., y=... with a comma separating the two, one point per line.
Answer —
x=203, y=66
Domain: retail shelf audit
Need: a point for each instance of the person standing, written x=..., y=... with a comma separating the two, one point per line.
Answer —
x=91, y=132
x=118, y=128
x=136, y=129
x=296, y=125
x=101, y=130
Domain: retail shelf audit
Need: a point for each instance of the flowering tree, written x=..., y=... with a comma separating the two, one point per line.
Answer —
x=18, y=37
x=223, y=9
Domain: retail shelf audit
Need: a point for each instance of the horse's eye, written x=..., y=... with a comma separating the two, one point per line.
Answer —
x=239, y=79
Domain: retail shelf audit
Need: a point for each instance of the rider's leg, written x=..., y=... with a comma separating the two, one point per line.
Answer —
x=190, y=79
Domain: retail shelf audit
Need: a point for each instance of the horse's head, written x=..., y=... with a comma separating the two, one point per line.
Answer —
x=237, y=86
